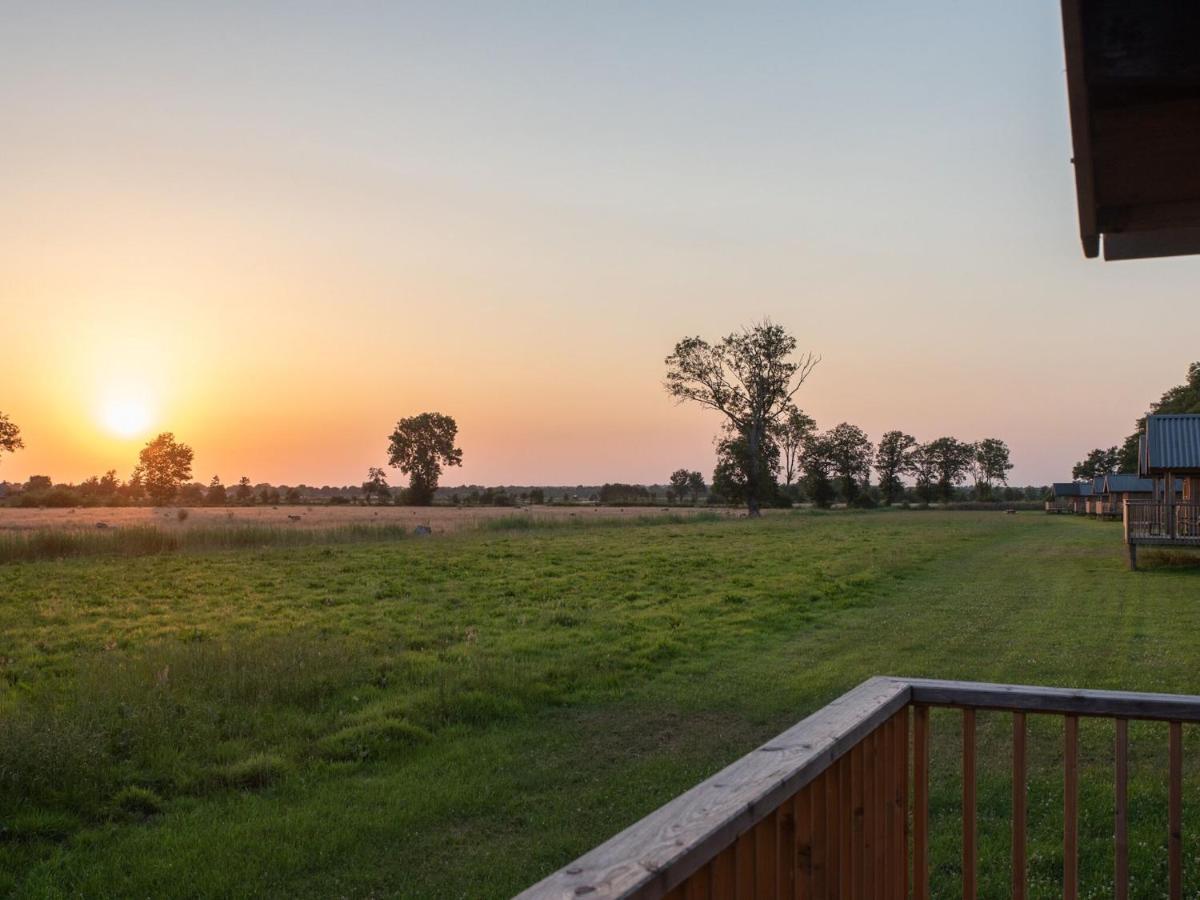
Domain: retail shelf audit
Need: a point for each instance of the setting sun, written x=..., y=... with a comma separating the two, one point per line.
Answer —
x=126, y=417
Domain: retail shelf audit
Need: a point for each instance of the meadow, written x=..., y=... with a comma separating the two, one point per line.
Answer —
x=458, y=716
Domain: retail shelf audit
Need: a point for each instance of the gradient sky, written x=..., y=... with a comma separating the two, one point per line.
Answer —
x=284, y=226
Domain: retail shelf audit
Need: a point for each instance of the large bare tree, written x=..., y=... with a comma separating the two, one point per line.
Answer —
x=749, y=377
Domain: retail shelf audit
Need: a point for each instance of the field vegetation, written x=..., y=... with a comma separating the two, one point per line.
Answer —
x=459, y=716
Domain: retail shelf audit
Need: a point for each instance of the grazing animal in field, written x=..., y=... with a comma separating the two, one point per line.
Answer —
x=294, y=518
x=101, y=524
x=422, y=530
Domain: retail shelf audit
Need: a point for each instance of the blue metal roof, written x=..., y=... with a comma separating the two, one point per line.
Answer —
x=1068, y=488
x=1128, y=484
x=1171, y=442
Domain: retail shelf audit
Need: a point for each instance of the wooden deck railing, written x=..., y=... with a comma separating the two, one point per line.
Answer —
x=824, y=809
x=1156, y=522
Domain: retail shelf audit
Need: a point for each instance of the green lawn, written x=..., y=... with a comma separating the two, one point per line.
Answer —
x=459, y=716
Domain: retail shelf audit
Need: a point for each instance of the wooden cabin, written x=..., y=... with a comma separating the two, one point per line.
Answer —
x=1169, y=457
x=1094, y=502
x=1068, y=497
x=1121, y=487
x=1133, y=86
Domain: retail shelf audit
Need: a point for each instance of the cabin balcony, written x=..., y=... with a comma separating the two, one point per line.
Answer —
x=838, y=806
x=1160, y=523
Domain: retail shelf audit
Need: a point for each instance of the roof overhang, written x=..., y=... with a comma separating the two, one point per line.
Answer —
x=1133, y=84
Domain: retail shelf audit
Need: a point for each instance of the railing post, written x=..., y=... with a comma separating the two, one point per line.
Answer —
x=921, y=803
x=969, y=853
x=1071, y=808
x=1175, y=812
x=1121, y=812
x=1018, y=807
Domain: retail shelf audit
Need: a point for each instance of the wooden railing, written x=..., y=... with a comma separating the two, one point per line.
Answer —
x=1157, y=522
x=823, y=810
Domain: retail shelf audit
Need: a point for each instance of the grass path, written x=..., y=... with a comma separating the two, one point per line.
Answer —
x=571, y=681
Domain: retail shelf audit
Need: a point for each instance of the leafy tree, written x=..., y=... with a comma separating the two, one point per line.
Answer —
x=39, y=483
x=793, y=427
x=376, y=484
x=925, y=473
x=10, y=435
x=419, y=447
x=1183, y=398
x=216, y=495
x=537, y=496
x=109, y=483
x=750, y=378
x=696, y=486
x=951, y=459
x=893, y=459
x=731, y=476
x=1098, y=462
x=163, y=465
x=293, y=495
x=849, y=452
x=244, y=492
x=991, y=465
x=678, y=484
x=816, y=460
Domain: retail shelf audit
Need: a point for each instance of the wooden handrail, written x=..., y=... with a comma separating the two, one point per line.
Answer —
x=822, y=810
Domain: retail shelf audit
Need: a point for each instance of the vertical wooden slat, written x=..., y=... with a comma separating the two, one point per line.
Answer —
x=743, y=864
x=845, y=826
x=1121, y=812
x=723, y=884
x=1175, y=813
x=886, y=750
x=833, y=868
x=820, y=839
x=698, y=885
x=901, y=808
x=1019, y=817
x=1071, y=808
x=765, y=846
x=802, y=811
x=969, y=853
x=785, y=850
x=857, y=838
x=879, y=824
x=871, y=803
x=921, y=803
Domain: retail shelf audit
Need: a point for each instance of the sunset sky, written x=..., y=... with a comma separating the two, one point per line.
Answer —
x=276, y=228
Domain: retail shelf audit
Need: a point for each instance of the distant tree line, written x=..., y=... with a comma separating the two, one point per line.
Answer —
x=751, y=378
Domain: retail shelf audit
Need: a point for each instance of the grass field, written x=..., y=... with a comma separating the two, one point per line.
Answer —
x=457, y=717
